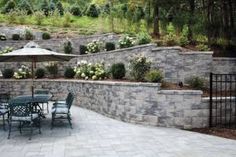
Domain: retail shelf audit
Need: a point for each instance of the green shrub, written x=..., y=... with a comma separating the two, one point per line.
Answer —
x=26, y=6
x=3, y=37
x=16, y=37
x=12, y=16
x=75, y=10
x=143, y=38
x=184, y=36
x=139, y=66
x=28, y=35
x=69, y=73
x=170, y=39
x=68, y=49
x=118, y=71
x=44, y=6
x=66, y=19
x=46, y=36
x=60, y=8
x=39, y=16
x=8, y=73
x=40, y=73
x=109, y=46
x=83, y=49
x=126, y=41
x=6, y=50
x=52, y=68
x=10, y=6
x=92, y=11
x=87, y=71
x=196, y=82
x=22, y=73
x=202, y=47
x=94, y=47
x=154, y=76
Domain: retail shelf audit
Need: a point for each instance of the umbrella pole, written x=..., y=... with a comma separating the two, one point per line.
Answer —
x=33, y=75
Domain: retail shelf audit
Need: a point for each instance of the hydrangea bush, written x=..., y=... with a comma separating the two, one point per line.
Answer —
x=85, y=70
x=22, y=73
x=126, y=41
x=94, y=47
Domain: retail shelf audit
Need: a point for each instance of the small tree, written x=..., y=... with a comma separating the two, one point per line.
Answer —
x=68, y=47
x=10, y=5
x=45, y=7
x=26, y=6
x=92, y=11
x=75, y=10
x=60, y=8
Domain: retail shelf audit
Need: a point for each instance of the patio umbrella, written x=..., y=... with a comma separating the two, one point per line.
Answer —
x=33, y=53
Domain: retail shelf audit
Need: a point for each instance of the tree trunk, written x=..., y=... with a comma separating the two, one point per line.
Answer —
x=191, y=19
x=156, y=30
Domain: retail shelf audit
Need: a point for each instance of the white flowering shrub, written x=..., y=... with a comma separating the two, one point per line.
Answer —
x=126, y=41
x=139, y=65
x=22, y=73
x=94, y=47
x=88, y=71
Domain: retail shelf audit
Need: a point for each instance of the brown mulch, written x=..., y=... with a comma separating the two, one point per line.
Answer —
x=221, y=132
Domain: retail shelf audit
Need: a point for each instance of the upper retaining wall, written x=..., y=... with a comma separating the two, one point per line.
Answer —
x=142, y=103
x=224, y=65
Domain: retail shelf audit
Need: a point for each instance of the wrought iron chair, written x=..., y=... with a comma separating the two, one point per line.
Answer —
x=42, y=91
x=61, y=110
x=25, y=114
x=4, y=98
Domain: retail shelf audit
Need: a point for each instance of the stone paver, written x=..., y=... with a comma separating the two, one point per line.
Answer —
x=97, y=136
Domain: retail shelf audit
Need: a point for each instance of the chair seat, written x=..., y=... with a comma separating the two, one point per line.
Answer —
x=3, y=111
x=60, y=110
x=27, y=118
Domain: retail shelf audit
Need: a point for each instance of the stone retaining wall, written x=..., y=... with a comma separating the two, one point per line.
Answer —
x=141, y=103
x=224, y=65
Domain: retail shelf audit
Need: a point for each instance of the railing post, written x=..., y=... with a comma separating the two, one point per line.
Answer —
x=211, y=88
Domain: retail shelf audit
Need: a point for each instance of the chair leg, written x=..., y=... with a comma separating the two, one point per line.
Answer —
x=69, y=120
x=31, y=130
x=9, y=132
x=39, y=125
x=3, y=120
x=20, y=127
x=47, y=108
x=52, y=123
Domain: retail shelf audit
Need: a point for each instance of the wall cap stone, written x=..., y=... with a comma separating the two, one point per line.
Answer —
x=181, y=92
x=113, y=83
x=117, y=50
x=223, y=59
x=207, y=99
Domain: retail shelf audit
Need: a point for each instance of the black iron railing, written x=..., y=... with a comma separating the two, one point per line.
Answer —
x=222, y=100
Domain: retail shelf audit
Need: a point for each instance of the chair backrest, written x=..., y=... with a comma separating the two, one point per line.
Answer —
x=4, y=99
x=69, y=99
x=20, y=109
x=41, y=91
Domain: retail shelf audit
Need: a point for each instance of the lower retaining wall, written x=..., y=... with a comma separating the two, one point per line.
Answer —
x=141, y=103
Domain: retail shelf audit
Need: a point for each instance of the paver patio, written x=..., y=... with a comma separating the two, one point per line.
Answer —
x=95, y=135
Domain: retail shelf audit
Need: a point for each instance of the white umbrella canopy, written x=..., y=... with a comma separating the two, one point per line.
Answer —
x=33, y=53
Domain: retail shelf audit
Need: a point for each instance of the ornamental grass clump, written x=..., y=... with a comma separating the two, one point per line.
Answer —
x=94, y=47
x=52, y=68
x=154, y=76
x=7, y=73
x=126, y=41
x=22, y=73
x=139, y=65
x=88, y=71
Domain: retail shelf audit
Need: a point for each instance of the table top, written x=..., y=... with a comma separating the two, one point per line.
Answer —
x=37, y=98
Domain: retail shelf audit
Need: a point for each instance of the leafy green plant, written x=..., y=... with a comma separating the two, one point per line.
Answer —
x=3, y=37
x=28, y=35
x=143, y=38
x=66, y=19
x=94, y=46
x=75, y=10
x=8, y=73
x=170, y=38
x=60, y=8
x=92, y=11
x=202, y=47
x=16, y=37
x=118, y=70
x=83, y=49
x=46, y=36
x=109, y=46
x=12, y=16
x=22, y=73
x=10, y=6
x=44, y=6
x=52, y=68
x=139, y=66
x=39, y=16
x=154, y=76
x=196, y=82
x=184, y=36
x=87, y=71
x=126, y=41
x=22, y=15
x=68, y=49
x=25, y=6
x=69, y=73
x=40, y=73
